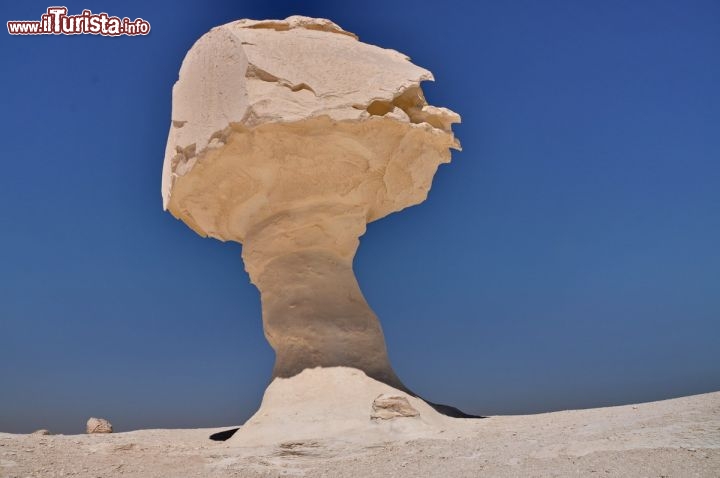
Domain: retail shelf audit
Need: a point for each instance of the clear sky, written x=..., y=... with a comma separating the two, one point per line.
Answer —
x=568, y=257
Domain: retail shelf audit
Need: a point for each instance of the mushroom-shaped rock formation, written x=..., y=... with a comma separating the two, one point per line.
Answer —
x=289, y=136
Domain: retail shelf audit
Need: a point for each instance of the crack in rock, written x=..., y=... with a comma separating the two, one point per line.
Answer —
x=258, y=73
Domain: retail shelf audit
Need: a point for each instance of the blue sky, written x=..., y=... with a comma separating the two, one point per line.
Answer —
x=567, y=258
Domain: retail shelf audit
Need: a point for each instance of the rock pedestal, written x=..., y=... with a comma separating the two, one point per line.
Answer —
x=289, y=136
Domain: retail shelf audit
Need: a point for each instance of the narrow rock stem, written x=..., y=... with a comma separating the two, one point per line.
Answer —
x=314, y=313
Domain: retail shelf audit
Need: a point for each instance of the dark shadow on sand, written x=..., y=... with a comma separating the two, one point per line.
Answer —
x=223, y=435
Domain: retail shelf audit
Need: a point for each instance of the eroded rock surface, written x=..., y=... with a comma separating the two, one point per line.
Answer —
x=390, y=406
x=289, y=136
x=98, y=425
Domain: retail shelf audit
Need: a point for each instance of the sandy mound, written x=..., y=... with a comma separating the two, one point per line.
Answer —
x=337, y=403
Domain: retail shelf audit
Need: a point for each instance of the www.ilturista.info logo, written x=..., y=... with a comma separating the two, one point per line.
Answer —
x=57, y=22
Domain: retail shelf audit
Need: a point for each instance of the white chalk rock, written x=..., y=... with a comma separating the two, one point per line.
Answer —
x=98, y=425
x=289, y=136
x=390, y=406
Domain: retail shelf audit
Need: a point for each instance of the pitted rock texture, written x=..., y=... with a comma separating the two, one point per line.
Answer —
x=98, y=425
x=289, y=136
x=388, y=407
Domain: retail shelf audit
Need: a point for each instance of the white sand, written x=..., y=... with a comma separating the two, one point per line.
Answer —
x=671, y=438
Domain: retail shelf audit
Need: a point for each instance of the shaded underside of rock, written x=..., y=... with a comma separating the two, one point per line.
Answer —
x=315, y=174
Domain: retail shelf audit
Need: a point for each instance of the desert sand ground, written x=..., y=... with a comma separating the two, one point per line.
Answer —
x=671, y=438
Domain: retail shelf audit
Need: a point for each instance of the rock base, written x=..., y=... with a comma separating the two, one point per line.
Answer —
x=339, y=403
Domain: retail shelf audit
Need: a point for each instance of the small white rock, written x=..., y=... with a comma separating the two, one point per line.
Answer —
x=98, y=425
x=386, y=407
